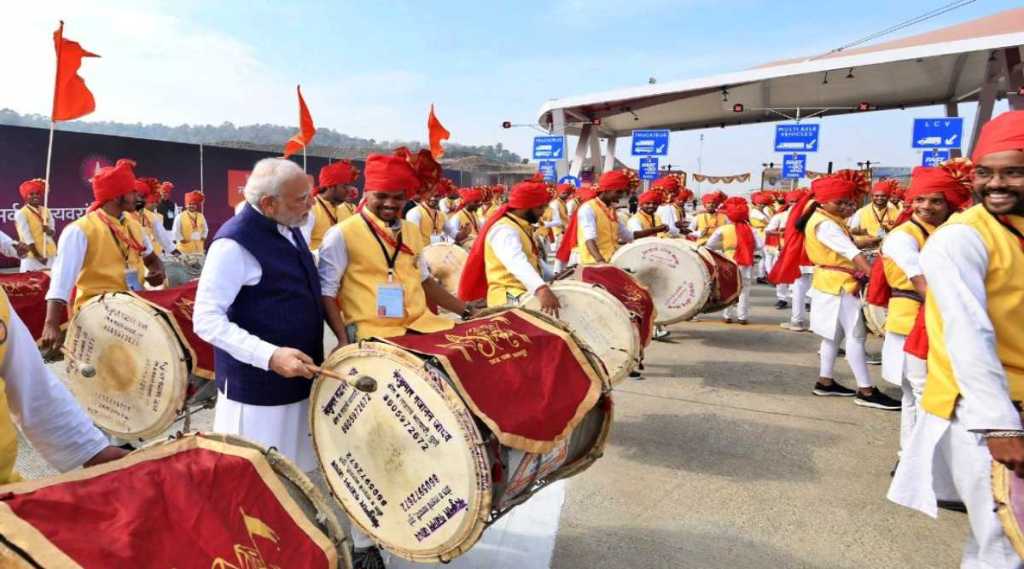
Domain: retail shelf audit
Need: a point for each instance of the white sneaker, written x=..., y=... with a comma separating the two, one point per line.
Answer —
x=800, y=327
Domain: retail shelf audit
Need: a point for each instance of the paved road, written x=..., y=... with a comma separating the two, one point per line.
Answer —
x=722, y=458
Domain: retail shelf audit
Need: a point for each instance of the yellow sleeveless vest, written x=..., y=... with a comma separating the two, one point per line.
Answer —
x=501, y=282
x=903, y=311
x=466, y=218
x=871, y=224
x=191, y=222
x=149, y=221
x=827, y=280
x=131, y=224
x=8, y=434
x=729, y=241
x=44, y=243
x=1004, y=288
x=607, y=234
x=345, y=211
x=367, y=269
x=431, y=222
x=103, y=269
x=324, y=217
x=707, y=223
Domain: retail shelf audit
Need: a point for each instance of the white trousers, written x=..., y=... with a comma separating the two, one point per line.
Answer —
x=770, y=257
x=741, y=310
x=909, y=372
x=30, y=263
x=799, y=289
x=850, y=326
x=284, y=427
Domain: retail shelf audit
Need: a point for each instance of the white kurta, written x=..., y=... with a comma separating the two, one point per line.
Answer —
x=42, y=407
x=740, y=310
x=505, y=243
x=902, y=249
x=228, y=268
x=176, y=230
x=825, y=307
x=7, y=246
x=667, y=213
x=71, y=249
x=415, y=216
x=30, y=263
x=334, y=261
x=955, y=263
x=588, y=223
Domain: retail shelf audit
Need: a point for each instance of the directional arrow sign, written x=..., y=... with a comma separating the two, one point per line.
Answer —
x=548, y=147
x=549, y=168
x=649, y=168
x=938, y=133
x=794, y=165
x=796, y=137
x=650, y=143
x=933, y=158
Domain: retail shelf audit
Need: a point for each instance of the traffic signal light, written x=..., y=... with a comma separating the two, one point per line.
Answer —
x=506, y=124
x=737, y=108
x=864, y=106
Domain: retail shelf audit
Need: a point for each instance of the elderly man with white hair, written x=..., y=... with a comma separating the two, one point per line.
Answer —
x=258, y=304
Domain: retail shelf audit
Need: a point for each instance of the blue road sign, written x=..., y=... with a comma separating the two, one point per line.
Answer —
x=794, y=165
x=649, y=168
x=549, y=168
x=934, y=157
x=549, y=148
x=650, y=143
x=796, y=137
x=569, y=180
x=938, y=133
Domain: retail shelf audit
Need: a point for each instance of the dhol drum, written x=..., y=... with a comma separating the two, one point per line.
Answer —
x=602, y=324
x=684, y=280
x=1008, y=492
x=128, y=364
x=624, y=287
x=182, y=268
x=27, y=293
x=452, y=437
x=202, y=500
x=446, y=261
x=874, y=316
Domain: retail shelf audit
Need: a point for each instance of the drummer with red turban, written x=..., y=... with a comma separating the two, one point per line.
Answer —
x=973, y=313
x=742, y=244
x=594, y=229
x=505, y=262
x=35, y=227
x=935, y=194
x=463, y=222
x=647, y=221
x=95, y=253
x=877, y=218
x=710, y=219
x=668, y=210
x=800, y=283
x=190, y=228
x=336, y=183
x=839, y=272
x=556, y=217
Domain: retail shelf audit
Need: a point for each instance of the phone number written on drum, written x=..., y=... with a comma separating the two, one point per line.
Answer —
x=366, y=494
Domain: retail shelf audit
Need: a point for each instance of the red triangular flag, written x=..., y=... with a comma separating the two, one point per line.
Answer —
x=437, y=133
x=306, y=128
x=71, y=98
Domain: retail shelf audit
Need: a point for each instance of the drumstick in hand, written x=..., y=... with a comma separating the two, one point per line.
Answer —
x=365, y=383
x=85, y=369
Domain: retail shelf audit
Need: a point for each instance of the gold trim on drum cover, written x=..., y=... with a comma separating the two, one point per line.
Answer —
x=520, y=442
x=577, y=275
x=1001, y=494
x=482, y=493
x=53, y=557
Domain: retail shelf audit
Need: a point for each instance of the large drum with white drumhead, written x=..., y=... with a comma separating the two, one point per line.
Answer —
x=674, y=273
x=127, y=365
x=413, y=465
x=874, y=316
x=600, y=321
x=445, y=262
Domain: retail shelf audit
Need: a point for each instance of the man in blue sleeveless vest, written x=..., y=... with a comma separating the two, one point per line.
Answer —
x=258, y=304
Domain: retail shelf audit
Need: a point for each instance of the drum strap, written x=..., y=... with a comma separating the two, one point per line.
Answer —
x=849, y=271
x=911, y=294
x=328, y=210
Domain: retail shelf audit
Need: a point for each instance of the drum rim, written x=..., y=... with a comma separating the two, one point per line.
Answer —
x=702, y=296
x=178, y=347
x=605, y=297
x=575, y=273
x=869, y=310
x=476, y=521
x=1001, y=494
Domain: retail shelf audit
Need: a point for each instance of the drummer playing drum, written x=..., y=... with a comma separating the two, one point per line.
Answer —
x=462, y=219
x=504, y=263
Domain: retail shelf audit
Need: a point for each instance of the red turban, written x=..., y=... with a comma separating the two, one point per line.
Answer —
x=165, y=188
x=613, y=181
x=584, y=195
x=924, y=180
x=565, y=189
x=112, y=182
x=712, y=198
x=794, y=196
x=737, y=210
x=31, y=186
x=471, y=195
x=529, y=194
x=389, y=173
x=762, y=198
x=1005, y=132
x=340, y=173
x=666, y=183
x=831, y=188
x=194, y=198
x=888, y=187
x=141, y=187
x=497, y=190
x=650, y=196
x=684, y=196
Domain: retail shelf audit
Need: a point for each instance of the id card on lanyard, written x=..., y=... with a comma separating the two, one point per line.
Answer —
x=390, y=295
x=131, y=276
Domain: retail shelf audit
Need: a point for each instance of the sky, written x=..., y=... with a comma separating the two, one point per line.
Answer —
x=373, y=68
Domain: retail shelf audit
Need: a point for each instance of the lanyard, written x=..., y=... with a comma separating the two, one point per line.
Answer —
x=389, y=259
x=327, y=210
x=607, y=210
x=921, y=227
x=885, y=213
x=1009, y=227
x=469, y=221
x=433, y=218
x=194, y=220
x=37, y=214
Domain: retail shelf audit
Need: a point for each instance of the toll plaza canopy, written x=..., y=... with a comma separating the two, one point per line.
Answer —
x=975, y=61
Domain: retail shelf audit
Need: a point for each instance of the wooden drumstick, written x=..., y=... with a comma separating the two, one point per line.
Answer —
x=365, y=383
x=86, y=370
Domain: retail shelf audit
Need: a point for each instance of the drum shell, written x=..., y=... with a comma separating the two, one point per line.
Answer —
x=726, y=283
x=446, y=262
x=678, y=278
x=874, y=316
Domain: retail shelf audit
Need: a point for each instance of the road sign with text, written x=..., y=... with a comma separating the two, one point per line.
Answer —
x=794, y=165
x=650, y=143
x=796, y=137
x=549, y=168
x=938, y=133
x=549, y=148
x=933, y=158
x=649, y=168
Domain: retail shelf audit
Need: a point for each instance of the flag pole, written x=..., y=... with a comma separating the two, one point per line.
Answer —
x=201, y=186
x=49, y=155
x=53, y=111
x=303, y=158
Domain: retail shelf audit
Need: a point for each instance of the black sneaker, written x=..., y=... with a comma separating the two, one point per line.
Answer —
x=368, y=558
x=952, y=506
x=781, y=304
x=832, y=390
x=878, y=400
